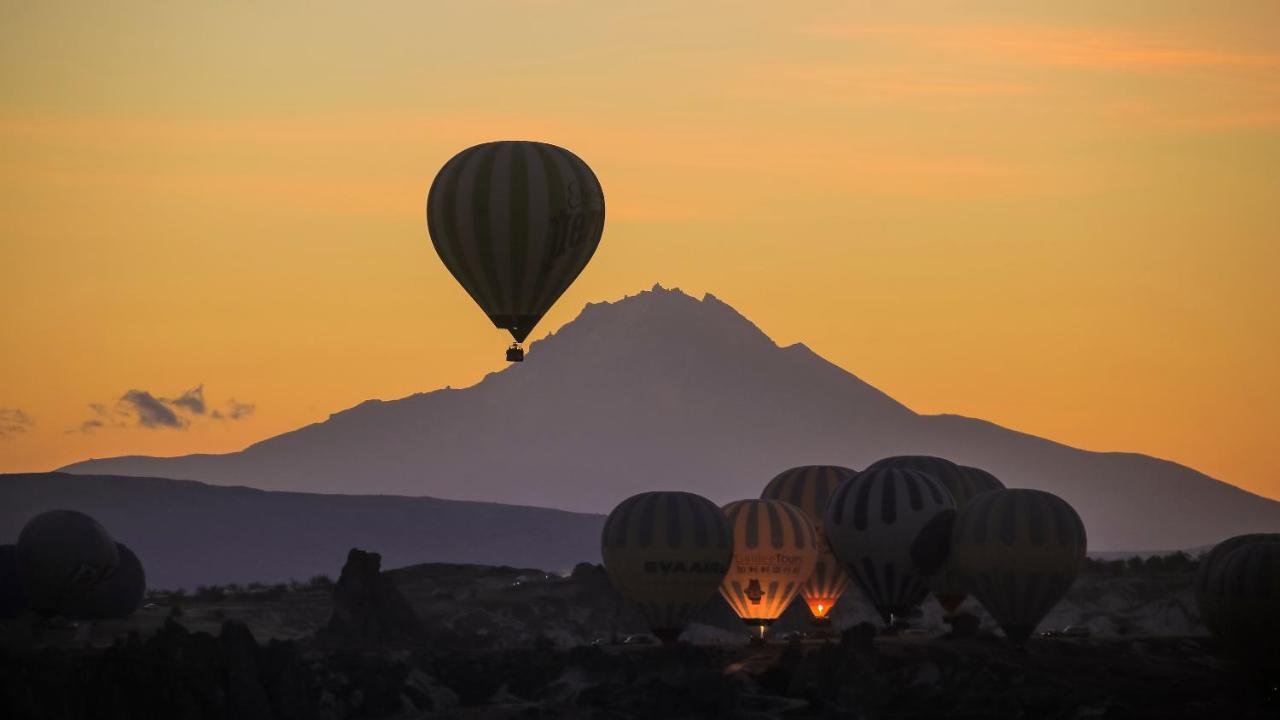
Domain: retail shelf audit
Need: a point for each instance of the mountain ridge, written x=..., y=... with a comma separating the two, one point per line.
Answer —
x=662, y=390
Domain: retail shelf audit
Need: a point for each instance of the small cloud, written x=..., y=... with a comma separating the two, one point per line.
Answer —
x=239, y=410
x=144, y=409
x=150, y=411
x=13, y=422
x=191, y=400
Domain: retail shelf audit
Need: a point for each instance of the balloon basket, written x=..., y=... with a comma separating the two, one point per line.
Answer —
x=515, y=353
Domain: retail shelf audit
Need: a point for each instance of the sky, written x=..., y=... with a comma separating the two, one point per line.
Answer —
x=1060, y=217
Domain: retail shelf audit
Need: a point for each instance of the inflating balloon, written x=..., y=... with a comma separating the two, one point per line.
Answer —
x=809, y=488
x=13, y=599
x=117, y=595
x=666, y=552
x=515, y=222
x=774, y=550
x=1208, y=602
x=891, y=530
x=1018, y=551
x=62, y=555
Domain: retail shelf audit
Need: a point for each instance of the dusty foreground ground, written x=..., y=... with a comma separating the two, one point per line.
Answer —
x=471, y=641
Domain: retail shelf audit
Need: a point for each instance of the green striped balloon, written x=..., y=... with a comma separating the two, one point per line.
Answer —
x=515, y=222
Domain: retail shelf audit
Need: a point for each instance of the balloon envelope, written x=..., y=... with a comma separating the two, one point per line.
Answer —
x=62, y=554
x=515, y=222
x=117, y=595
x=808, y=488
x=13, y=599
x=1238, y=592
x=891, y=528
x=774, y=551
x=1018, y=551
x=666, y=552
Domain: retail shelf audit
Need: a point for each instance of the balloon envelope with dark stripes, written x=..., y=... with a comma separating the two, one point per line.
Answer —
x=808, y=488
x=1018, y=551
x=666, y=552
x=774, y=551
x=515, y=222
x=1238, y=592
x=964, y=483
x=62, y=555
x=889, y=527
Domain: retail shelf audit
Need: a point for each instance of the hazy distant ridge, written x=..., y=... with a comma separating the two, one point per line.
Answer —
x=661, y=390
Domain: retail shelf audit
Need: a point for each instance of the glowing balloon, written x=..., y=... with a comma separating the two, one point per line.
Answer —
x=809, y=488
x=1018, y=551
x=774, y=551
x=515, y=222
x=666, y=552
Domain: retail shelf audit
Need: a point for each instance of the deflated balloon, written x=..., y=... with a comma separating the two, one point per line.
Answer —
x=515, y=222
x=1238, y=591
x=62, y=555
x=890, y=528
x=774, y=551
x=1018, y=551
x=809, y=488
x=13, y=599
x=117, y=595
x=666, y=552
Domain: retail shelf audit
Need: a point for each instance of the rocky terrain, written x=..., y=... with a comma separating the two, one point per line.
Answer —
x=464, y=641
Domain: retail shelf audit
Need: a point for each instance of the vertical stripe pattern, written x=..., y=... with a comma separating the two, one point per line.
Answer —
x=875, y=523
x=774, y=551
x=1018, y=551
x=809, y=488
x=666, y=552
x=1238, y=593
x=515, y=222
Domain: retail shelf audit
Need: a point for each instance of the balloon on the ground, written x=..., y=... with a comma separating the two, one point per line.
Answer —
x=515, y=222
x=891, y=530
x=62, y=555
x=1018, y=551
x=774, y=551
x=117, y=595
x=809, y=487
x=666, y=552
x=1238, y=591
x=13, y=599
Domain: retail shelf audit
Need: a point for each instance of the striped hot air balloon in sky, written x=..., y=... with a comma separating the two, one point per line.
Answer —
x=515, y=222
x=889, y=527
x=1238, y=591
x=809, y=487
x=1018, y=551
x=666, y=552
x=964, y=483
x=774, y=551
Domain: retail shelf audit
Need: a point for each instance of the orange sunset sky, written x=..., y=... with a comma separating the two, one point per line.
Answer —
x=1061, y=217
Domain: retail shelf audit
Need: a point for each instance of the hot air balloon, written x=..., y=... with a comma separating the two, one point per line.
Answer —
x=1207, y=602
x=666, y=552
x=1238, y=591
x=890, y=529
x=1018, y=551
x=63, y=554
x=13, y=599
x=515, y=222
x=808, y=488
x=774, y=551
x=119, y=593
x=964, y=483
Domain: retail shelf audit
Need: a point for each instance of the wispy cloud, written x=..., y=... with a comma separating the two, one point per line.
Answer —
x=144, y=409
x=14, y=422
